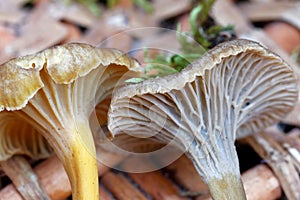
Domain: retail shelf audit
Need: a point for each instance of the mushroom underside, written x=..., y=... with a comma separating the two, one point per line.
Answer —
x=227, y=94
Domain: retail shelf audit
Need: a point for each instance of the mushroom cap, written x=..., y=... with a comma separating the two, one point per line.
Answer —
x=20, y=78
x=238, y=86
x=18, y=137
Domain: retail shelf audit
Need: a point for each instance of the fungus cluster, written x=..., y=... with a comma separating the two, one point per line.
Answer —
x=235, y=89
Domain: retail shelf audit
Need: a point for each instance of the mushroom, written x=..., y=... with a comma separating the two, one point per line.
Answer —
x=233, y=90
x=57, y=89
x=18, y=139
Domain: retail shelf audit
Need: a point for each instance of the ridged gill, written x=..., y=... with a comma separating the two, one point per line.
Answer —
x=239, y=95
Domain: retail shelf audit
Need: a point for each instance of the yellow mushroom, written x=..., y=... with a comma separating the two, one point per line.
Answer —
x=57, y=89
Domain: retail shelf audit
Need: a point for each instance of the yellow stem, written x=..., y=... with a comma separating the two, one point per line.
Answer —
x=78, y=155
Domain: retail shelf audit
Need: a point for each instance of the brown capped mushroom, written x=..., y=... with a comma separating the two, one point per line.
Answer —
x=234, y=90
x=57, y=90
x=18, y=139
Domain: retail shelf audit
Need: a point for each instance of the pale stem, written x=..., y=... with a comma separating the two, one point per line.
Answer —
x=219, y=168
x=230, y=187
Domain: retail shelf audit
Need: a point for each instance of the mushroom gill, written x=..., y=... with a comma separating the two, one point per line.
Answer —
x=19, y=140
x=235, y=89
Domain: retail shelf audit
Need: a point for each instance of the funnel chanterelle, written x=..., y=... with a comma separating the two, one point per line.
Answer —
x=57, y=90
x=235, y=89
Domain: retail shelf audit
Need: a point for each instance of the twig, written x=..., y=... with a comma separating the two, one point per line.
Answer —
x=280, y=161
x=53, y=179
x=259, y=181
x=25, y=180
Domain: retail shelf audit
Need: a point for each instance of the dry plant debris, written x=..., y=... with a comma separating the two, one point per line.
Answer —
x=280, y=161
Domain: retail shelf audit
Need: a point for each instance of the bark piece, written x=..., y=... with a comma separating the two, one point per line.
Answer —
x=188, y=177
x=120, y=187
x=155, y=184
x=104, y=194
x=23, y=177
x=260, y=182
x=37, y=33
x=284, y=34
x=73, y=12
x=73, y=34
x=10, y=11
x=280, y=161
x=277, y=10
x=7, y=35
x=110, y=24
x=53, y=179
x=170, y=8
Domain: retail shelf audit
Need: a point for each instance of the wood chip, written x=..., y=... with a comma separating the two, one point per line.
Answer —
x=165, y=42
x=53, y=179
x=14, y=3
x=121, y=41
x=290, y=142
x=169, y=8
x=104, y=194
x=284, y=34
x=39, y=32
x=6, y=36
x=125, y=4
x=288, y=11
x=110, y=24
x=73, y=12
x=184, y=22
x=120, y=187
x=261, y=184
x=155, y=184
x=266, y=11
x=10, y=11
x=18, y=169
x=293, y=15
x=139, y=20
x=188, y=177
x=73, y=33
x=11, y=17
x=280, y=161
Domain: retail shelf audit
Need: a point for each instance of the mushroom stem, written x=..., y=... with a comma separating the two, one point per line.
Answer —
x=219, y=170
x=76, y=150
x=24, y=178
x=230, y=183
